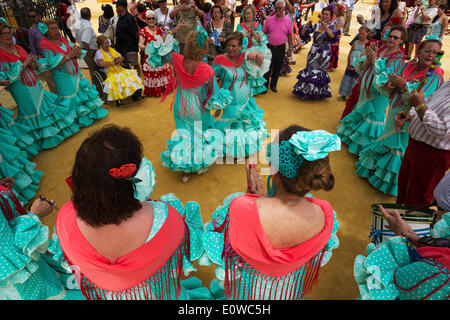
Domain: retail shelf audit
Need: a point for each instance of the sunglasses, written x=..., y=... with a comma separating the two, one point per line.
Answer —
x=151, y=18
x=394, y=37
x=6, y=33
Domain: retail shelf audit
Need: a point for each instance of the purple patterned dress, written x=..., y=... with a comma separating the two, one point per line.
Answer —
x=314, y=79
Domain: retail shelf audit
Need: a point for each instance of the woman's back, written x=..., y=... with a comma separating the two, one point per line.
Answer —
x=289, y=223
x=114, y=241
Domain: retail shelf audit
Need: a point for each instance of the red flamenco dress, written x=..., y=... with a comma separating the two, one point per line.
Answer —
x=155, y=79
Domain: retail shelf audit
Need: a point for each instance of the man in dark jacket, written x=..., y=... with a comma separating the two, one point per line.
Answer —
x=127, y=35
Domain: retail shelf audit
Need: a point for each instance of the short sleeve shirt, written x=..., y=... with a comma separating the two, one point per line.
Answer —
x=190, y=20
x=277, y=30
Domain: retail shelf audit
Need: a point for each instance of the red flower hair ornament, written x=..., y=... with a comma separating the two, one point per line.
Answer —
x=396, y=21
x=124, y=172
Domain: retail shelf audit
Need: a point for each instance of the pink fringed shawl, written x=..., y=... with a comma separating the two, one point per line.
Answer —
x=143, y=273
x=247, y=244
x=203, y=75
x=28, y=77
x=71, y=66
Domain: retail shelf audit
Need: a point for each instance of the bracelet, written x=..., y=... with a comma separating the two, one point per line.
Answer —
x=419, y=107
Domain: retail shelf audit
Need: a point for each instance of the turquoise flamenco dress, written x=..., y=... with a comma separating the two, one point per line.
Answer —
x=366, y=122
x=74, y=91
x=191, y=287
x=38, y=108
x=241, y=123
x=390, y=272
x=14, y=164
x=25, y=271
x=195, y=145
x=214, y=242
x=381, y=159
x=256, y=80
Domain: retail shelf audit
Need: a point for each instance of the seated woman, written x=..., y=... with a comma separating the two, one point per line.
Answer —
x=407, y=266
x=29, y=268
x=122, y=244
x=120, y=83
x=270, y=244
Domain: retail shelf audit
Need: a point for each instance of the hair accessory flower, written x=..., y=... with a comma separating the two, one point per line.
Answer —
x=124, y=172
x=396, y=21
x=201, y=36
x=314, y=145
x=42, y=27
x=304, y=145
x=145, y=180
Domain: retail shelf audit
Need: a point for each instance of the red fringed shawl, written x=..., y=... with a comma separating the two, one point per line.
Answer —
x=144, y=273
x=28, y=77
x=203, y=74
x=223, y=61
x=397, y=101
x=254, y=269
x=7, y=211
x=71, y=66
x=244, y=26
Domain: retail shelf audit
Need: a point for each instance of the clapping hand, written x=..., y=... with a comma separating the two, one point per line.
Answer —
x=254, y=181
x=7, y=183
x=395, y=80
x=42, y=207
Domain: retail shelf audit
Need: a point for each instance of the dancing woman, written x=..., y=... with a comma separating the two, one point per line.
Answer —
x=74, y=90
x=38, y=109
x=254, y=35
x=194, y=147
x=270, y=243
x=241, y=121
x=366, y=122
x=381, y=159
x=313, y=80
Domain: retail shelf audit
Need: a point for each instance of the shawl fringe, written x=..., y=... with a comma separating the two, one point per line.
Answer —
x=158, y=286
x=244, y=282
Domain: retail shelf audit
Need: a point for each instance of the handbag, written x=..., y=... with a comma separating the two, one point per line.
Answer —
x=297, y=43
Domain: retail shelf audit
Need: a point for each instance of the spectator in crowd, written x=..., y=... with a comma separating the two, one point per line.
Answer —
x=87, y=38
x=427, y=156
x=63, y=14
x=127, y=32
x=188, y=11
x=104, y=20
x=218, y=29
x=163, y=19
x=350, y=5
x=278, y=29
x=440, y=22
x=35, y=36
x=240, y=9
x=423, y=18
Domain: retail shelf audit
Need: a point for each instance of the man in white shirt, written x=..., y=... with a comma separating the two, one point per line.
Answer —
x=422, y=20
x=87, y=38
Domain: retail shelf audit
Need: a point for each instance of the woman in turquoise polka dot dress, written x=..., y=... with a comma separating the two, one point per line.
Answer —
x=28, y=269
x=120, y=243
x=269, y=244
x=408, y=267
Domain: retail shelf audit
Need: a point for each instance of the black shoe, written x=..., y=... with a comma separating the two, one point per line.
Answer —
x=118, y=103
x=264, y=92
x=137, y=95
x=274, y=90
